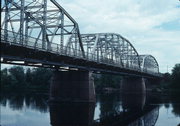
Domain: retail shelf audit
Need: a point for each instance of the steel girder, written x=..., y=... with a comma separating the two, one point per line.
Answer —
x=44, y=23
x=109, y=47
x=149, y=64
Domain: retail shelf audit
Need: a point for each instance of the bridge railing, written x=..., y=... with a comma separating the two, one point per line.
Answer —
x=33, y=43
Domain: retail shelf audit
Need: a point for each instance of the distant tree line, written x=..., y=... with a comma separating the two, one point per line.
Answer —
x=106, y=81
x=17, y=77
x=172, y=81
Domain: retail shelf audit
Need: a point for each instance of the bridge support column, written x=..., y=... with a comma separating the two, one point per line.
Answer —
x=71, y=114
x=152, y=83
x=133, y=85
x=72, y=86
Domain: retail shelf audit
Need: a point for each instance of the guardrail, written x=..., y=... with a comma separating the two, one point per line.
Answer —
x=13, y=38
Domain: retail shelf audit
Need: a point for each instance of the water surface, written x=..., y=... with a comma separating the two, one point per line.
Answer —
x=32, y=109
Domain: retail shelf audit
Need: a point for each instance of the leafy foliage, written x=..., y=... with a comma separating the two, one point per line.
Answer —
x=17, y=78
x=172, y=81
x=104, y=80
x=176, y=76
x=41, y=77
x=17, y=75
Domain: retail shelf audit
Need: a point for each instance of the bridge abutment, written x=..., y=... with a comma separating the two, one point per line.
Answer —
x=133, y=85
x=73, y=86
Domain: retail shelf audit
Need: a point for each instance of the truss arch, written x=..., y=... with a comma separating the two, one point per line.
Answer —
x=45, y=25
x=149, y=64
x=109, y=48
x=39, y=24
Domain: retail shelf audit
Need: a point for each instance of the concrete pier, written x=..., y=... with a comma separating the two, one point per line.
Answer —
x=133, y=102
x=71, y=114
x=73, y=86
x=133, y=85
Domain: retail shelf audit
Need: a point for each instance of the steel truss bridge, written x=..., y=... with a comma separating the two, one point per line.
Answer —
x=41, y=33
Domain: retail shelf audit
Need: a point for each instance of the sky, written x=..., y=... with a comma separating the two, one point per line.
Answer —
x=152, y=26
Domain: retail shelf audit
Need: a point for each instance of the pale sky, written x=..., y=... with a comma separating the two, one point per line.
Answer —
x=152, y=26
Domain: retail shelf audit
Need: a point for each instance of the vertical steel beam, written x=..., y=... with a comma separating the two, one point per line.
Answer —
x=6, y=20
x=22, y=22
x=62, y=32
x=127, y=54
x=87, y=56
x=131, y=57
x=106, y=47
x=76, y=39
x=44, y=26
x=111, y=47
x=26, y=29
x=112, y=51
x=95, y=43
x=123, y=50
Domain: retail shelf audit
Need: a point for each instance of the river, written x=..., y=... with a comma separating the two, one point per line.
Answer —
x=33, y=109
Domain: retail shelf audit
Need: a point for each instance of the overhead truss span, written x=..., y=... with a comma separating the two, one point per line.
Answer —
x=42, y=31
x=149, y=64
x=108, y=47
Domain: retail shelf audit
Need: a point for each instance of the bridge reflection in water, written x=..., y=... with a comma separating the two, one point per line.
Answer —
x=125, y=110
x=143, y=115
x=110, y=110
x=43, y=34
x=72, y=114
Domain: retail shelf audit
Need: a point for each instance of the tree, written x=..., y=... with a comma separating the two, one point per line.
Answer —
x=176, y=77
x=166, y=81
x=28, y=76
x=106, y=80
x=5, y=79
x=41, y=77
x=167, y=77
x=17, y=76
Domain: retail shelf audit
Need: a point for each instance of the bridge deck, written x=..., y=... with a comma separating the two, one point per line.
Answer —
x=43, y=34
x=13, y=52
